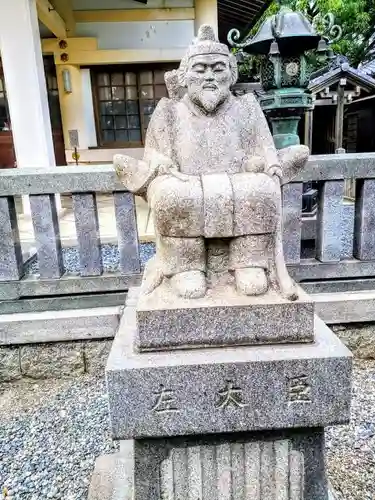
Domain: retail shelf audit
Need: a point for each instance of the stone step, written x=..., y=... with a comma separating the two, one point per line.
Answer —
x=58, y=326
x=345, y=307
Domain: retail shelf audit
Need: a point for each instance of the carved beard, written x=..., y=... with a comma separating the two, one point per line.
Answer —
x=209, y=99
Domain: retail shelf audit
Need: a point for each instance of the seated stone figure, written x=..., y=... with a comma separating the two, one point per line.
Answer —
x=211, y=173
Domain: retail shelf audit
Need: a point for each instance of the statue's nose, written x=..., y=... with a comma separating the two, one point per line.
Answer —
x=209, y=75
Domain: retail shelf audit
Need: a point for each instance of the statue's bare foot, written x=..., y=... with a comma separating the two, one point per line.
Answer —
x=290, y=291
x=190, y=284
x=251, y=281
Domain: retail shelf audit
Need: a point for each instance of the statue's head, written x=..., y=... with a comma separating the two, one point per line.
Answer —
x=208, y=70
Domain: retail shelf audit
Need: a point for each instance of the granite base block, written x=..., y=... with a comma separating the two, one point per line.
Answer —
x=113, y=477
x=283, y=465
x=222, y=317
x=232, y=389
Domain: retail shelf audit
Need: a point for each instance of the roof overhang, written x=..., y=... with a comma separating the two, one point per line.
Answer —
x=239, y=14
x=353, y=76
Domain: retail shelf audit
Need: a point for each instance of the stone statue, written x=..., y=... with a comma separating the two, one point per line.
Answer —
x=212, y=177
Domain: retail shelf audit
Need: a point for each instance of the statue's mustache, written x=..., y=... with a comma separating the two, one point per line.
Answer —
x=209, y=86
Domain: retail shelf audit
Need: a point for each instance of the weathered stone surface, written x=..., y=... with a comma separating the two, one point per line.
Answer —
x=283, y=465
x=192, y=391
x=103, y=178
x=57, y=360
x=96, y=355
x=329, y=219
x=9, y=364
x=111, y=282
x=217, y=191
x=47, y=235
x=204, y=416
x=59, y=326
x=112, y=478
x=211, y=170
x=359, y=338
x=127, y=233
x=347, y=230
x=364, y=229
x=222, y=317
x=292, y=223
x=10, y=247
x=88, y=236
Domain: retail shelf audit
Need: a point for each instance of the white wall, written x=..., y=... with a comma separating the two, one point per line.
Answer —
x=139, y=35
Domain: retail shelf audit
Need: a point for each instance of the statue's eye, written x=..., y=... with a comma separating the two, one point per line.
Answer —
x=199, y=69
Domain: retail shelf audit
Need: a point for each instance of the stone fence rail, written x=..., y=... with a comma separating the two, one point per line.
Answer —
x=344, y=255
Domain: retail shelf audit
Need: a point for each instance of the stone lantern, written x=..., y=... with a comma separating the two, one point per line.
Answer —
x=282, y=42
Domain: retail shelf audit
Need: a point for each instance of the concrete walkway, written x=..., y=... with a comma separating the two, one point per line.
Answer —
x=107, y=223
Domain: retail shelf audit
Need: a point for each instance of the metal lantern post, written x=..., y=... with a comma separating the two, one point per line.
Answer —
x=282, y=42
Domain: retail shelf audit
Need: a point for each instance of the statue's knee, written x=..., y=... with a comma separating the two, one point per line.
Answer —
x=256, y=204
x=178, y=208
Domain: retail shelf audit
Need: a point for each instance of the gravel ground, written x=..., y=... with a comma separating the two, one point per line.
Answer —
x=110, y=255
x=52, y=431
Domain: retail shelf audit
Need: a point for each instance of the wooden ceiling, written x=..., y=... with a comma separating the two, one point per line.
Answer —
x=239, y=14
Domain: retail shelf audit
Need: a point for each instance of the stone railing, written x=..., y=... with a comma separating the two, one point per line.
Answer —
x=344, y=257
x=52, y=280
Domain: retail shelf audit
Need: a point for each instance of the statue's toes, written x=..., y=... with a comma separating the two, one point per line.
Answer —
x=189, y=284
x=251, y=281
x=290, y=292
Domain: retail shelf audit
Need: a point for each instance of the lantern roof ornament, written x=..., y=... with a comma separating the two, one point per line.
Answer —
x=290, y=32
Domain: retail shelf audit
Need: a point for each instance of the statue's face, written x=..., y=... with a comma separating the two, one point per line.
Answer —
x=208, y=80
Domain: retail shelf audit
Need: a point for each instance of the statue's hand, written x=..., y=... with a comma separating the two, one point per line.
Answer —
x=292, y=160
x=275, y=171
x=255, y=164
x=135, y=174
x=126, y=168
x=165, y=166
x=170, y=169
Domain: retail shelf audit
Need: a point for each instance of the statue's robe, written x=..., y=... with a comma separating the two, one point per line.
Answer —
x=220, y=199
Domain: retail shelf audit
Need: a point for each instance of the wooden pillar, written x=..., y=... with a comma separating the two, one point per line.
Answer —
x=339, y=122
x=309, y=116
x=206, y=13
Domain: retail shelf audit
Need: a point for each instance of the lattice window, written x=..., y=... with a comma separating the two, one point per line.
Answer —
x=125, y=100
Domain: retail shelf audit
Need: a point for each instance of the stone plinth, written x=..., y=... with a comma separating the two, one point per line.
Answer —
x=233, y=389
x=280, y=465
x=222, y=317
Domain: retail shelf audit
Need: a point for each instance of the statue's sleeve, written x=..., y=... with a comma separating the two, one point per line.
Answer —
x=257, y=138
x=158, y=137
x=137, y=175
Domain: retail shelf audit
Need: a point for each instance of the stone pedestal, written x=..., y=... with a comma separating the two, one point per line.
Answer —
x=222, y=317
x=233, y=423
